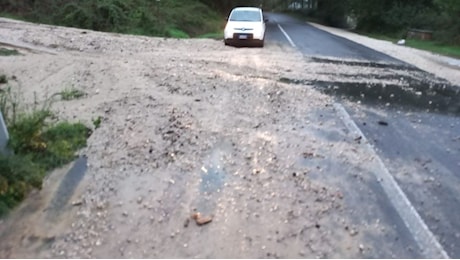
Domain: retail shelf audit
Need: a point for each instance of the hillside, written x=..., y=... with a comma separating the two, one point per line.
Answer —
x=179, y=18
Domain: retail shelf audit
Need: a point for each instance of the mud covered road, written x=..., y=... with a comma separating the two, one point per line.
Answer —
x=242, y=136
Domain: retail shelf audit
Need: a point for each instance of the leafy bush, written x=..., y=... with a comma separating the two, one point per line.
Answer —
x=38, y=144
x=101, y=15
x=62, y=140
x=18, y=176
x=26, y=132
x=176, y=33
x=144, y=17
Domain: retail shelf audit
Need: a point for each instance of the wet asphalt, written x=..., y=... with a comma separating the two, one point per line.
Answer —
x=416, y=136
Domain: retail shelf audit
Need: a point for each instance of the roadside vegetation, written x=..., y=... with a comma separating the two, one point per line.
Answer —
x=436, y=47
x=71, y=94
x=179, y=18
x=8, y=52
x=38, y=144
x=390, y=19
x=432, y=46
x=166, y=18
x=206, y=18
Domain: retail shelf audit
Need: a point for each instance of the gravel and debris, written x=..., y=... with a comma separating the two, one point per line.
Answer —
x=193, y=125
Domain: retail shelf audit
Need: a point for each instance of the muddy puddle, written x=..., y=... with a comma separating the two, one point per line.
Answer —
x=213, y=176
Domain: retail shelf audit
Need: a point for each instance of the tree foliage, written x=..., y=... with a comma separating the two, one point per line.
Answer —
x=195, y=17
x=391, y=17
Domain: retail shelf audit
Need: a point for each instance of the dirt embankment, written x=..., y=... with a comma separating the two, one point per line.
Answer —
x=191, y=126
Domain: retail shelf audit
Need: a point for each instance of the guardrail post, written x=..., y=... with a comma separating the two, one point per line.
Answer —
x=3, y=135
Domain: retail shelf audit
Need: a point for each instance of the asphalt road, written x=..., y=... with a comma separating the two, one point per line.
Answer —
x=420, y=147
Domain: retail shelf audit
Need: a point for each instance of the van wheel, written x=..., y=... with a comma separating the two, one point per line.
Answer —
x=261, y=44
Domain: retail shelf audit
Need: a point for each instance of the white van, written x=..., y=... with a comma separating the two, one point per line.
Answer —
x=245, y=26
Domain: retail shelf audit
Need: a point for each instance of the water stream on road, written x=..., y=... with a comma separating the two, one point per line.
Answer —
x=67, y=187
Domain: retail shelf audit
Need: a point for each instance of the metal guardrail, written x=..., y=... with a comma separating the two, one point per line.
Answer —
x=3, y=135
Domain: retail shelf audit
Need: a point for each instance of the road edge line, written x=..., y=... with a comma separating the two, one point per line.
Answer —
x=425, y=239
x=287, y=36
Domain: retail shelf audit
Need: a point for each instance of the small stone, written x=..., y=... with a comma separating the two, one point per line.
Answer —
x=200, y=220
x=361, y=247
x=353, y=232
x=186, y=223
x=125, y=214
x=77, y=203
x=430, y=179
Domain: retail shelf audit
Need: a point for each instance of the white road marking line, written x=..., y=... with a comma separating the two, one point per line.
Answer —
x=425, y=239
x=287, y=36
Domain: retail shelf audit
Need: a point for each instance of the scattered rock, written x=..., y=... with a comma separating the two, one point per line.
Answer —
x=382, y=123
x=358, y=139
x=77, y=203
x=308, y=155
x=186, y=223
x=200, y=220
x=353, y=232
x=430, y=179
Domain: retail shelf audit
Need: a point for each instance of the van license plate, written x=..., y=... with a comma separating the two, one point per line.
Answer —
x=243, y=37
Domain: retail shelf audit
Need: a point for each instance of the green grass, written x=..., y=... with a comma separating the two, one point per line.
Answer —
x=176, y=33
x=215, y=35
x=97, y=122
x=71, y=93
x=38, y=144
x=12, y=16
x=439, y=48
x=8, y=52
x=3, y=79
x=432, y=46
